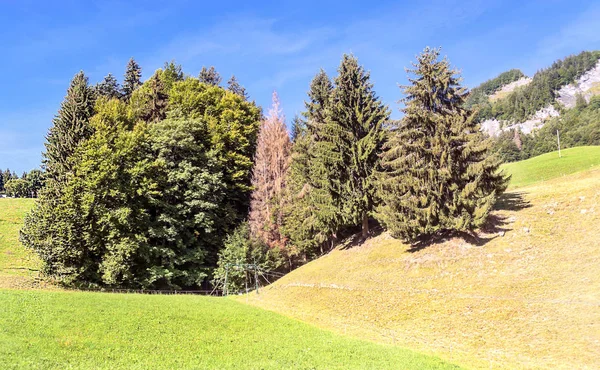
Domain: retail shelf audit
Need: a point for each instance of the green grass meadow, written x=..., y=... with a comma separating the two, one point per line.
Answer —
x=79, y=330
x=18, y=266
x=549, y=166
x=53, y=329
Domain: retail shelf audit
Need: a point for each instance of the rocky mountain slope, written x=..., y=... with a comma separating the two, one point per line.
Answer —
x=528, y=103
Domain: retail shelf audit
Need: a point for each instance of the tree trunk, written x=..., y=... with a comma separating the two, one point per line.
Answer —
x=365, y=226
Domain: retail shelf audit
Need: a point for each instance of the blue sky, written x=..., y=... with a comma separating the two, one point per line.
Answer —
x=276, y=45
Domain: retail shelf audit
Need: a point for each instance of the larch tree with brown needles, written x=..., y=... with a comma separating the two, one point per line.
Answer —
x=271, y=163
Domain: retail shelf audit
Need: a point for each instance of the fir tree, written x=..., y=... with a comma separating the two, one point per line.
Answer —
x=55, y=226
x=132, y=79
x=109, y=87
x=355, y=126
x=271, y=164
x=210, y=76
x=439, y=174
x=298, y=125
x=234, y=86
x=70, y=127
x=318, y=100
x=323, y=165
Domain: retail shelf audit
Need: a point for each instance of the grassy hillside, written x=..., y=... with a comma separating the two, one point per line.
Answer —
x=549, y=166
x=18, y=267
x=75, y=330
x=524, y=294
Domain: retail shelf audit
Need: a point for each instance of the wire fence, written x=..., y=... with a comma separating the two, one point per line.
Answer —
x=264, y=278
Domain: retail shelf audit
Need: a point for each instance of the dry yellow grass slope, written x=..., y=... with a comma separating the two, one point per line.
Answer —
x=525, y=295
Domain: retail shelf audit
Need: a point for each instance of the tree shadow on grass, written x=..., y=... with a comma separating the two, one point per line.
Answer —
x=494, y=227
x=512, y=202
x=357, y=239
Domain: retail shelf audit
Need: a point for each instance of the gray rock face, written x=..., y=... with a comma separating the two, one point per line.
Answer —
x=587, y=85
x=567, y=95
x=493, y=127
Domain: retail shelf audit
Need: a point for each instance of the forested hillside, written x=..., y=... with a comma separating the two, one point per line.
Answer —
x=480, y=95
x=524, y=122
x=540, y=92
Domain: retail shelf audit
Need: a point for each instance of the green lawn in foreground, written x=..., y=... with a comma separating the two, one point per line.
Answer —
x=548, y=166
x=78, y=330
x=16, y=263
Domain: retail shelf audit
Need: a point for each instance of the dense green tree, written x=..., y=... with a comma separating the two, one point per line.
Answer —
x=132, y=79
x=35, y=180
x=210, y=76
x=171, y=73
x=17, y=188
x=233, y=128
x=438, y=172
x=157, y=99
x=108, y=192
x=109, y=87
x=6, y=176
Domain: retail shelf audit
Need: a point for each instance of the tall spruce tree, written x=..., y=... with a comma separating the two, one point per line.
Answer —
x=438, y=172
x=54, y=227
x=312, y=210
x=355, y=121
x=109, y=87
x=234, y=86
x=322, y=163
x=132, y=79
x=210, y=76
x=69, y=128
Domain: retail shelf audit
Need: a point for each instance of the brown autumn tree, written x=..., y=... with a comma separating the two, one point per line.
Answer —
x=271, y=162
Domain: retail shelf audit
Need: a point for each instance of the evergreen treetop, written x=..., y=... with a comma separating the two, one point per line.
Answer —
x=234, y=86
x=210, y=76
x=132, y=79
x=109, y=87
x=69, y=128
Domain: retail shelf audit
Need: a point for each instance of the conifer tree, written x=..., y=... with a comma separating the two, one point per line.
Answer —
x=70, y=127
x=297, y=127
x=210, y=76
x=234, y=86
x=271, y=164
x=132, y=79
x=109, y=87
x=54, y=227
x=438, y=172
x=355, y=127
x=311, y=214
